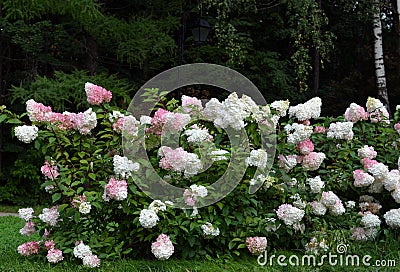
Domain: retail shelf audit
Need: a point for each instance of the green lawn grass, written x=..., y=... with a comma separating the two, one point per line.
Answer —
x=10, y=260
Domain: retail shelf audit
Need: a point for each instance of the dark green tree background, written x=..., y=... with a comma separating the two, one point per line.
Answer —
x=290, y=49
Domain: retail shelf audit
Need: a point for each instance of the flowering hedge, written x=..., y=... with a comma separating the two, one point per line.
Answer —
x=332, y=179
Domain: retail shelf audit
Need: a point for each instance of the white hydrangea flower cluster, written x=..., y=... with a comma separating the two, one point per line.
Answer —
x=157, y=205
x=26, y=213
x=197, y=135
x=175, y=121
x=300, y=133
x=289, y=214
x=199, y=190
x=114, y=116
x=50, y=216
x=145, y=120
x=350, y=204
x=392, y=181
x=370, y=220
x=281, y=106
x=260, y=179
x=318, y=208
x=306, y=111
x=316, y=184
x=263, y=114
x=373, y=104
x=26, y=134
x=392, y=218
x=148, y=218
x=81, y=250
x=341, y=130
x=332, y=203
x=84, y=252
x=124, y=167
x=298, y=202
x=219, y=155
x=86, y=121
x=85, y=207
x=229, y=113
x=209, y=231
x=193, y=165
x=379, y=171
x=130, y=126
x=257, y=158
x=367, y=152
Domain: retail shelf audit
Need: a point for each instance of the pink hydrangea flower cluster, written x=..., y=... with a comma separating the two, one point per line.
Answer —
x=29, y=248
x=162, y=248
x=28, y=229
x=49, y=170
x=368, y=163
x=287, y=162
x=312, y=161
x=319, y=129
x=362, y=179
x=97, y=94
x=84, y=122
x=126, y=124
x=305, y=147
x=397, y=127
x=115, y=189
x=179, y=160
x=77, y=201
x=355, y=113
x=165, y=121
x=289, y=214
x=379, y=115
x=190, y=195
x=37, y=112
x=54, y=255
x=256, y=245
x=191, y=104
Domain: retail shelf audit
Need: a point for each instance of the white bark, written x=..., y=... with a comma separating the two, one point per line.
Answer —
x=379, y=59
x=398, y=8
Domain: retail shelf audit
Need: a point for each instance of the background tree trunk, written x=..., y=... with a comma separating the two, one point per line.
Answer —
x=316, y=64
x=379, y=58
x=396, y=21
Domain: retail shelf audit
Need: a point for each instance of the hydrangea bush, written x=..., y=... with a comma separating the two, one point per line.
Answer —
x=332, y=179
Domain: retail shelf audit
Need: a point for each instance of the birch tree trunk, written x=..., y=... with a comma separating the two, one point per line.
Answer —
x=379, y=59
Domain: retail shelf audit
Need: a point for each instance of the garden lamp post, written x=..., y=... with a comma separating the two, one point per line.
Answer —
x=200, y=30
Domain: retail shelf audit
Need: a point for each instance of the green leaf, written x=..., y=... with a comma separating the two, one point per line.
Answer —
x=14, y=121
x=56, y=197
x=2, y=118
x=77, y=217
